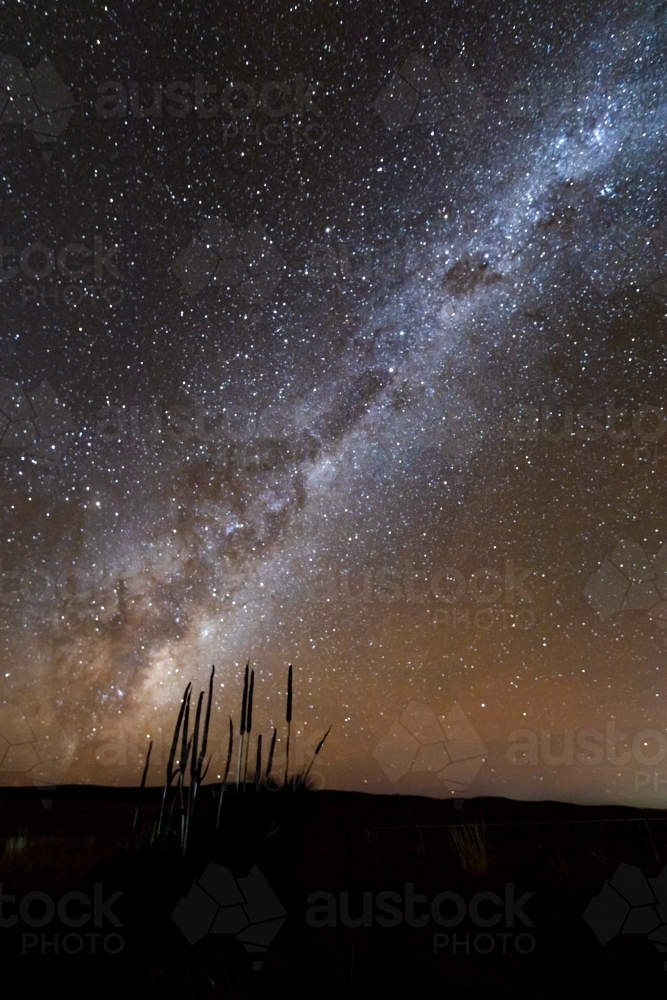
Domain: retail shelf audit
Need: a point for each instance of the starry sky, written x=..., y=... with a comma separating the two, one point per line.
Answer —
x=335, y=335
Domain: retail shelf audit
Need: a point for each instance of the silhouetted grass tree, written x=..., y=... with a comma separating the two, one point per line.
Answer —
x=194, y=750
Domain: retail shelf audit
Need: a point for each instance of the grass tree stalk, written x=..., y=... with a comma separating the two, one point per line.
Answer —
x=137, y=814
x=230, y=747
x=201, y=770
x=248, y=726
x=171, y=770
x=194, y=757
x=288, y=719
x=272, y=749
x=186, y=745
x=317, y=750
x=244, y=708
x=258, y=764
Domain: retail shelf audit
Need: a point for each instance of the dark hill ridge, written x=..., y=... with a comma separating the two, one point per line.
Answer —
x=542, y=861
x=350, y=837
x=75, y=809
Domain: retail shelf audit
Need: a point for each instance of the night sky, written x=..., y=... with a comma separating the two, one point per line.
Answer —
x=335, y=335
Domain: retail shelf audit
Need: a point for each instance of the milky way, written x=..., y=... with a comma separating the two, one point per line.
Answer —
x=358, y=470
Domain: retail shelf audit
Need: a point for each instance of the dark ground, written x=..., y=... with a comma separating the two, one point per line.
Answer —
x=335, y=842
